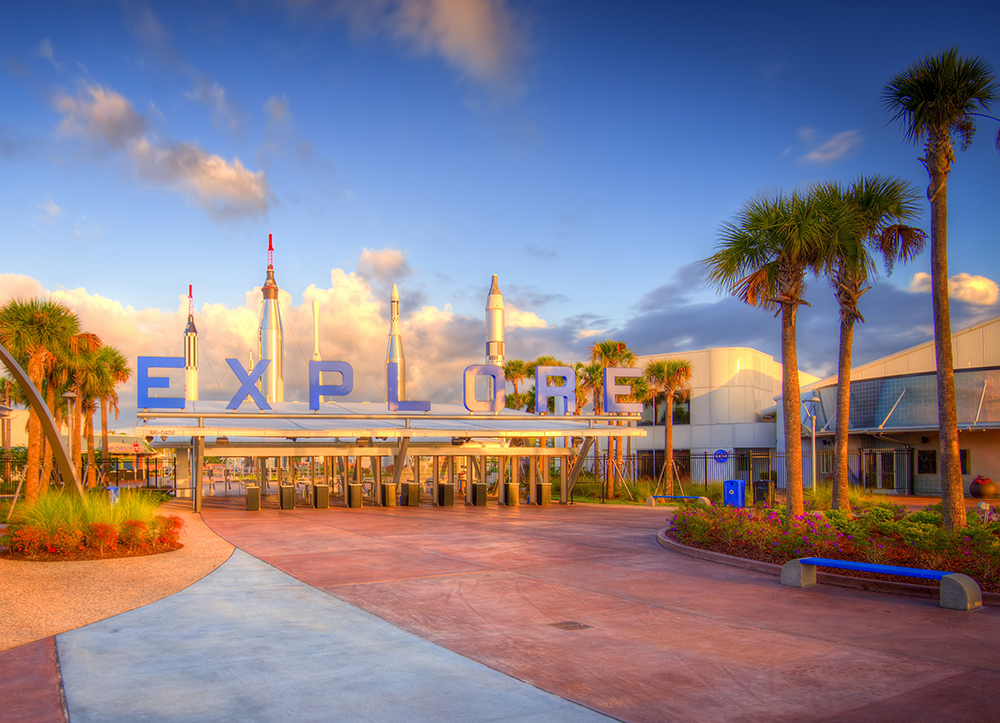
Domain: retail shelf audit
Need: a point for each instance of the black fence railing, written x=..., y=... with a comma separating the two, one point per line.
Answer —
x=877, y=470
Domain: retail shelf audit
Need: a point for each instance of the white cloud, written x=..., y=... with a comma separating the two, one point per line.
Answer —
x=481, y=38
x=46, y=51
x=514, y=318
x=213, y=96
x=224, y=188
x=49, y=211
x=831, y=149
x=385, y=266
x=975, y=290
x=439, y=343
x=277, y=109
x=99, y=113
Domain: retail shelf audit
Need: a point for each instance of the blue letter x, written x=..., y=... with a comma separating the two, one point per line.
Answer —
x=249, y=382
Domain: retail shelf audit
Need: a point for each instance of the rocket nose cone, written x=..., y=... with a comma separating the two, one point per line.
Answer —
x=395, y=293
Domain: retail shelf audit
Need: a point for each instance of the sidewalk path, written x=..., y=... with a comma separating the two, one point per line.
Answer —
x=249, y=643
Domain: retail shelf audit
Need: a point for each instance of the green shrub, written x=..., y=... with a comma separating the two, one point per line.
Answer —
x=66, y=525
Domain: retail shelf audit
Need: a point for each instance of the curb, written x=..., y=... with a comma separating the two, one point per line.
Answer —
x=854, y=583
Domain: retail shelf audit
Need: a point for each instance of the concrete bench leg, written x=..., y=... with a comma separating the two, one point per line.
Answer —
x=795, y=574
x=960, y=592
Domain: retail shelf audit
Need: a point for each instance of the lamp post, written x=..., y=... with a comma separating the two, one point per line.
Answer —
x=813, y=400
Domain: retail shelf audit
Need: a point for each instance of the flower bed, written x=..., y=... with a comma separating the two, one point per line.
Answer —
x=884, y=534
x=66, y=527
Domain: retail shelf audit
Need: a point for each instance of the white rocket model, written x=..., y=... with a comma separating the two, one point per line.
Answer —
x=394, y=352
x=271, y=341
x=494, y=326
x=191, y=352
x=316, y=356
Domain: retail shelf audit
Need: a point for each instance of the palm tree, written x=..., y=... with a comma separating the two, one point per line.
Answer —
x=865, y=222
x=642, y=393
x=515, y=371
x=82, y=349
x=91, y=378
x=546, y=360
x=34, y=331
x=669, y=376
x=612, y=354
x=115, y=371
x=762, y=258
x=589, y=378
x=934, y=99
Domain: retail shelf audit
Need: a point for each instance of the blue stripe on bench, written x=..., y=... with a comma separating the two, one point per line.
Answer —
x=869, y=567
x=675, y=497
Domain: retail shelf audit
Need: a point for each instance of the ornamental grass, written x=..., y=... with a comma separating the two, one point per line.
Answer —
x=66, y=526
x=883, y=534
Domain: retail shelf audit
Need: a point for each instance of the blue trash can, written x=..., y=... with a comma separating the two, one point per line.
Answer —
x=113, y=495
x=734, y=493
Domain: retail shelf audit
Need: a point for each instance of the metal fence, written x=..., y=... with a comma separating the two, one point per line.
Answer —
x=877, y=470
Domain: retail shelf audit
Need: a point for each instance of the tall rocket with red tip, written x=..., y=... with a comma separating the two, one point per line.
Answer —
x=191, y=352
x=270, y=340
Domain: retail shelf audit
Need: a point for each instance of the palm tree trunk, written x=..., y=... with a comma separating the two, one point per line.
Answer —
x=668, y=444
x=790, y=401
x=91, y=454
x=841, y=473
x=77, y=435
x=31, y=469
x=952, y=488
x=105, y=455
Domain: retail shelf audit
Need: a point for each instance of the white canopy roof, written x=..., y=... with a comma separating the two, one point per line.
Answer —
x=351, y=420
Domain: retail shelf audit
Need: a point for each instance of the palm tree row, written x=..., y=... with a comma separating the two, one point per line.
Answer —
x=660, y=378
x=763, y=258
x=45, y=338
x=765, y=253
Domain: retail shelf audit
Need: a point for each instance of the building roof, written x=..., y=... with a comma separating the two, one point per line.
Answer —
x=974, y=347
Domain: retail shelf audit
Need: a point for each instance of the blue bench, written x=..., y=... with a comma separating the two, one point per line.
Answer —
x=958, y=591
x=651, y=500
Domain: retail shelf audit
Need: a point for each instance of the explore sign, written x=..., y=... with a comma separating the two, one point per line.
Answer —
x=557, y=382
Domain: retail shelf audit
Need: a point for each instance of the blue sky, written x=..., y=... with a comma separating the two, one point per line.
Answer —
x=587, y=152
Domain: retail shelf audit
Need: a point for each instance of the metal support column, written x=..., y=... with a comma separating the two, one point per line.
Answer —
x=198, y=446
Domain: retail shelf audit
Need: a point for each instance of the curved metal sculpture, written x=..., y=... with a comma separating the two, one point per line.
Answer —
x=44, y=415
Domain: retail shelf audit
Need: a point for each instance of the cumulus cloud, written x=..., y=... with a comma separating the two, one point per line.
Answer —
x=99, y=113
x=354, y=325
x=224, y=188
x=481, y=38
x=975, y=290
x=385, y=266
x=831, y=149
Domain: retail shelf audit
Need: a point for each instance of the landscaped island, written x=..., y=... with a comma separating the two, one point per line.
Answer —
x=883, y=534
x=67, y=526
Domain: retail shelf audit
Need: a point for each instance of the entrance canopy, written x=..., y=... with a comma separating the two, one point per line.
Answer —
x=345, y=422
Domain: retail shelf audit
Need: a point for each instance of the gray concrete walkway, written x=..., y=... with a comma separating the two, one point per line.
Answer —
x=250, y=643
